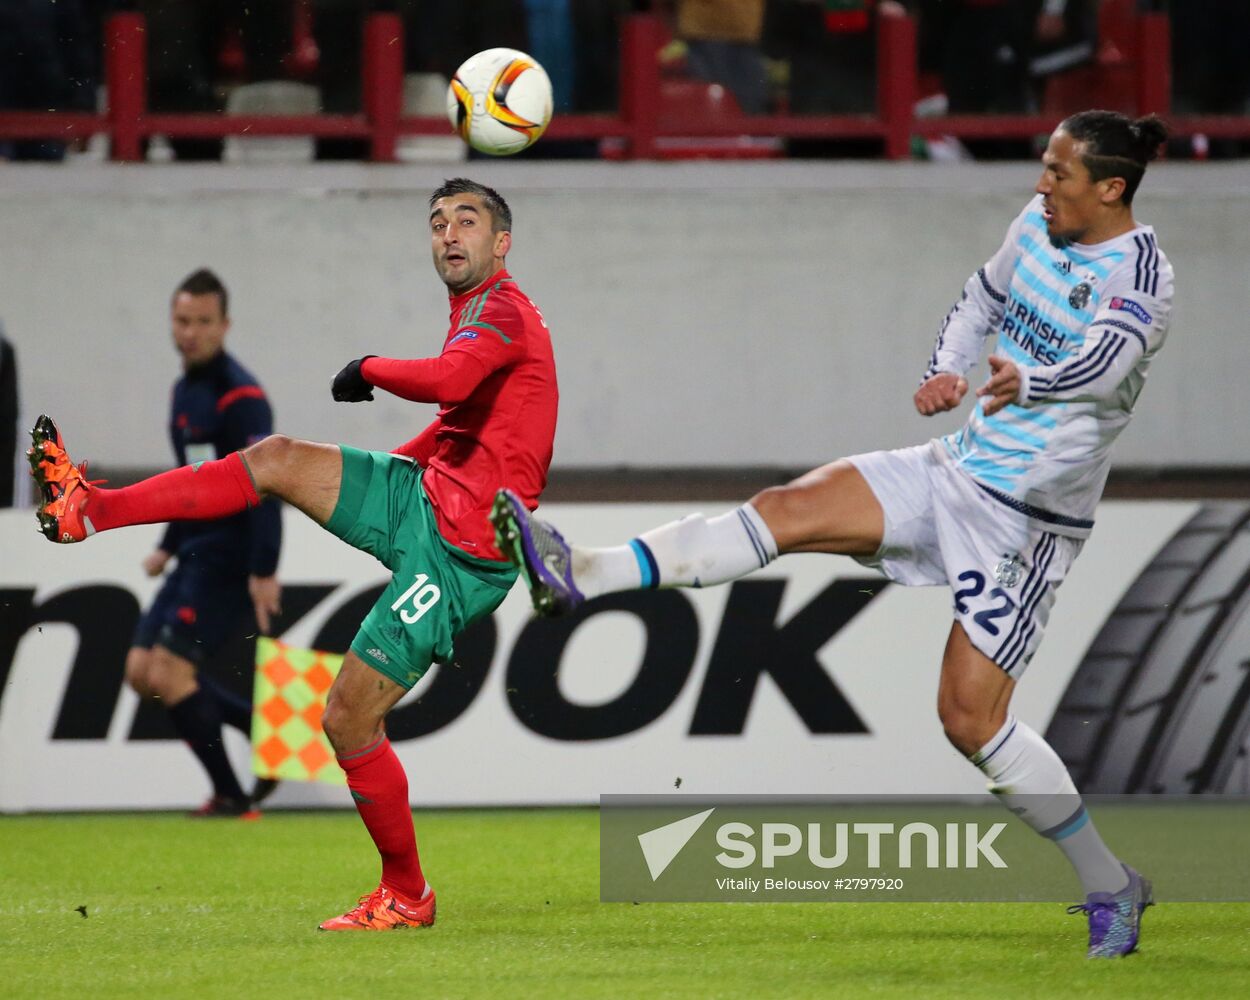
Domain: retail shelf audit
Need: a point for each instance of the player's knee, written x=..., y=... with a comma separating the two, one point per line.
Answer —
x=138, y=663
x=785, y=511
x=268, y=459
x=341, y=725
x=966, y=729
x=347, y=726
x=169, y=677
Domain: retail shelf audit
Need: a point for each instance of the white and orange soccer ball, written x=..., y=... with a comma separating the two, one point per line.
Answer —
x=499, y=101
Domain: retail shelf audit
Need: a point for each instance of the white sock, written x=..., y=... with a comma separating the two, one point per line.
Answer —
x=1030, y=779
x=696, y=551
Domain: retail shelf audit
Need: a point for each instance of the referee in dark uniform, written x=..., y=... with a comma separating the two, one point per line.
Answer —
x=224, y=583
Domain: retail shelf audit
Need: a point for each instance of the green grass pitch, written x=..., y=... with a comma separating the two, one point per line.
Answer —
x=181, y=908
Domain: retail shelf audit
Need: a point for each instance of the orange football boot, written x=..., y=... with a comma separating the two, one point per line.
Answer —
x=385, y=910
x=64, y=489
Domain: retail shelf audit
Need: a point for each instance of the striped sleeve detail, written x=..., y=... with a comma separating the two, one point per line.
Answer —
x=990, y=290
x=472, y=309
x=1082, y=373
x=1146, y=268
x=1126, y=327
x=941, y=339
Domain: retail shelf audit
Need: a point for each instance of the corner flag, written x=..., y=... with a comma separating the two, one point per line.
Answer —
x=288, y=701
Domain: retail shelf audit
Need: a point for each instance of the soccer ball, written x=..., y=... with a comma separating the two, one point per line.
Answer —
x=499, y=101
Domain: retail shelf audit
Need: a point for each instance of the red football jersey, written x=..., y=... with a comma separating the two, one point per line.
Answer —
x=495, y=383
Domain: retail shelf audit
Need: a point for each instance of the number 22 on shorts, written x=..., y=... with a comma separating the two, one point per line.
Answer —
x=423, y=595
x=984, y=618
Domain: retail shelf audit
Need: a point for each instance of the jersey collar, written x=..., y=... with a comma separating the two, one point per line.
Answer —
x=209, y=369
x=458, y=300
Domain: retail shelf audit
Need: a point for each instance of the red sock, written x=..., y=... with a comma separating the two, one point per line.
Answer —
x=380, y=789
x=191, y=493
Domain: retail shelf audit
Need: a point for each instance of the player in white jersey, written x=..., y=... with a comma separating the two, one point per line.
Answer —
x=1078, y=298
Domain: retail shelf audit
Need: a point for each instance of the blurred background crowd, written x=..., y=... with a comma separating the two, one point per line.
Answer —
x=767, y=56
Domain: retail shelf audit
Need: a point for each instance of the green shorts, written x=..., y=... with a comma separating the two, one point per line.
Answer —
x=436, y=590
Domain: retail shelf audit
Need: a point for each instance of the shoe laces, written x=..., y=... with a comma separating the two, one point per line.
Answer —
x=79, y=478
x=82, y=475
x=368, y=903
x=1092, y=908
x=1102, y=915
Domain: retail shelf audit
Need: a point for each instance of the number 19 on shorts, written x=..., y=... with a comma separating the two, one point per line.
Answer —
x=417, y=599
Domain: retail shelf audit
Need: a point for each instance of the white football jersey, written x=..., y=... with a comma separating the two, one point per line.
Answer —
x=1082, y=323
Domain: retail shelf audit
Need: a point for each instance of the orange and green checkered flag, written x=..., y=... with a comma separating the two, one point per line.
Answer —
x=288, y=701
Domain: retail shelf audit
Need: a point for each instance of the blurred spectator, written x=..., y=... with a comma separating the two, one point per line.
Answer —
x=831, y=50
x=1065, y=34
x=8, y=423
x=980, y=48
x=723, y=46
x=549, y=27
x=988, y=53
x=48, y=61
x=1212, y=68
x=438, y=37
x=194, y=46
x=597, y=56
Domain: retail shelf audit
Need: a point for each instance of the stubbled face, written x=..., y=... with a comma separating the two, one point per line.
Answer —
x=466, y=250
x=199, y=327
x=1074, y=206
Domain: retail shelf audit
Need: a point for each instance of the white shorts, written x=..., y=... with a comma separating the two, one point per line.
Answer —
x=941, y=528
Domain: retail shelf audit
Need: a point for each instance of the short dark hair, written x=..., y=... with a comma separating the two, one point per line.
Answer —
x=500, y=213
x=205, y=282
x=1116, y=145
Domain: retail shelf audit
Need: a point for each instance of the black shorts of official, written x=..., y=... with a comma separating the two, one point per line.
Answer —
x=200, y=608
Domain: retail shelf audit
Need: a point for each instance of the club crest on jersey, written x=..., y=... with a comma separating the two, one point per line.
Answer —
x=1009, y=570
x=1078, y=298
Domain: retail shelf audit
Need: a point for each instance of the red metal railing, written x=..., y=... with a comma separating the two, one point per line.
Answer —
x=640, y=124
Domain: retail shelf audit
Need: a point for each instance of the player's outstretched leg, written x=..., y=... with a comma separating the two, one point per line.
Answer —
x=71, y=508
x=1115, y=917
x=385, y=910
x=696, y=551
x=63, y=487
x=544, y=557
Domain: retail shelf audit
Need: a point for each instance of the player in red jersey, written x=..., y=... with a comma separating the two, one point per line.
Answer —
x=421, y=510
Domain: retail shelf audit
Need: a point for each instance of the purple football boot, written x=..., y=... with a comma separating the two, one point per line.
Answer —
x=544, y=557
x=1115, y=918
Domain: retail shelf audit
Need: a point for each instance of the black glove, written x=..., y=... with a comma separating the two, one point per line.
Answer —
x=350, y=386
